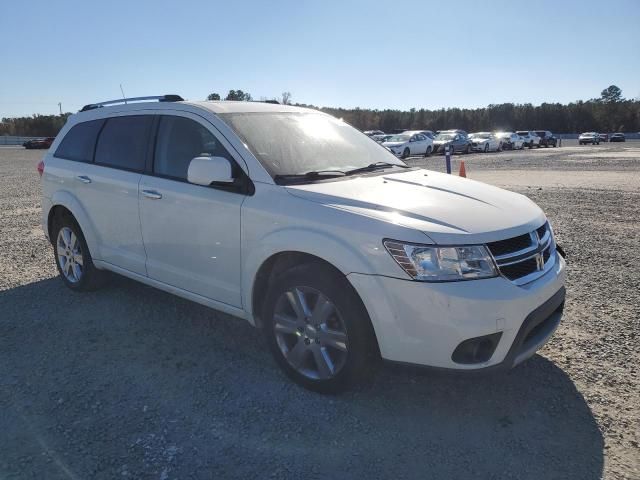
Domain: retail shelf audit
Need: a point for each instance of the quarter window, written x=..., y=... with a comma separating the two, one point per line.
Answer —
x=123, y=142
x=78, y=144
x=179, y=141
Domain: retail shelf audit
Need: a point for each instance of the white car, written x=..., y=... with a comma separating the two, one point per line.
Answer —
x=589, y=137
x=409, y=143
x=510, y=140
x=531, y=139
x=301, y=225
x=485, y=142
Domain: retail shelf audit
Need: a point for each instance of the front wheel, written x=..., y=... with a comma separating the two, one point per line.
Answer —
x=406, y=152
x=317, y=328
x=467, y=150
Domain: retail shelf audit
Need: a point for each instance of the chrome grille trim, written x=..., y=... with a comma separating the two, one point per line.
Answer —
x=540, y=247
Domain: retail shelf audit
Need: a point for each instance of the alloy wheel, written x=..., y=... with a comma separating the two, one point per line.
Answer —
x=310, y=333
x=70, y=256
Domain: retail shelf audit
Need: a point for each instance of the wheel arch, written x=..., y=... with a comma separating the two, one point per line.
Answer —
x=282, y=261
x=64, y=203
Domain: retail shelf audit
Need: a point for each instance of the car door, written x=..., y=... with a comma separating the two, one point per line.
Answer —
x=108, y=189
x=191, y=232
x=413, y=145
x=421, y=144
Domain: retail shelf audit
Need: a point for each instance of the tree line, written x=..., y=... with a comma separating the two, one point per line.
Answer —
x=608, y=113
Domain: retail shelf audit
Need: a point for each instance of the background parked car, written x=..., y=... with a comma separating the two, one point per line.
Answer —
x=485, y=142
x=511, y=141
x=427, y=133
x=455, y=139
x=604, y=137
x=371, y=133
x=409, y=143
x=589, y=137
x=38, y=143
x=382, y=138
x=547, y=138
x=531, y=139
x=618, y=137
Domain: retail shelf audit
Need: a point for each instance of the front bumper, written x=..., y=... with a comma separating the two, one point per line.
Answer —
x=423, y=323
x=478, y=147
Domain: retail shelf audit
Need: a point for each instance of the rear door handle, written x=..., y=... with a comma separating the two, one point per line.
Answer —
x=152, y=194
x=84, y=179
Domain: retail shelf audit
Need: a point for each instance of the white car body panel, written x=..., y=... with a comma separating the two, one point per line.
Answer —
x=208, y=245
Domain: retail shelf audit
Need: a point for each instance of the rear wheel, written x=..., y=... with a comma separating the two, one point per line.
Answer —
x=317, y=328
x=428, y=151
x=467, y=150
x=73, y=259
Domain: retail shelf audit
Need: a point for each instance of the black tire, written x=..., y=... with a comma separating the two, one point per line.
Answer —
x=486, y=148
x=91, y=278
x=428, y=152
x=361, y=351
x=530, y=144
x=467, y=150
x=406, y=152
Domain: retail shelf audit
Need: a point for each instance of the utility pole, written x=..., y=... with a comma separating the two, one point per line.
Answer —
x=60, y=107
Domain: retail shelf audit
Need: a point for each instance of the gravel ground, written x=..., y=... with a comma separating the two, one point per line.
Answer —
x=131, y=382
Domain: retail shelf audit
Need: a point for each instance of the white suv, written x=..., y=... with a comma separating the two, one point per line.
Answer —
x=300, y=224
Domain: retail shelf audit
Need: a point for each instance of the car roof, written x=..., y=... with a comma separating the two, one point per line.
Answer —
x=217, y=107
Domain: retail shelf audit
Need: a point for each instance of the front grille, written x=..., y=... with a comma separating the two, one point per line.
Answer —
x=526, y=257
x=510, y=245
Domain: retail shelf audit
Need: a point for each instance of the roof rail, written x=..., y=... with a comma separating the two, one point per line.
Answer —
x=157, y=98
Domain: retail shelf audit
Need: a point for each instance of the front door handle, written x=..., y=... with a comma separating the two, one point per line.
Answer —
x=84, y=179
x=152, y=194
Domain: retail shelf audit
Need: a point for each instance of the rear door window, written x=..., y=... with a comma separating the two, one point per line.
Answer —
x=180, y=140
x=79, y=143
x=123, y=142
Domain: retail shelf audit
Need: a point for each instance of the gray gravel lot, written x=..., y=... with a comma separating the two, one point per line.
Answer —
x=131, y=382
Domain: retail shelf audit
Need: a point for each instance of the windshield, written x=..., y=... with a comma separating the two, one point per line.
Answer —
x=444, y=136
x=398, y=138
x=298, y=143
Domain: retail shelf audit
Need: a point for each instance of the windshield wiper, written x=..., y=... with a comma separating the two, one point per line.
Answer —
x=374, y=166
x=312, y=175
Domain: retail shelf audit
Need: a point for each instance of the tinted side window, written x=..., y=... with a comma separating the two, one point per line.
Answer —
x=78, y=144
x=179, y=140
x=123, y=142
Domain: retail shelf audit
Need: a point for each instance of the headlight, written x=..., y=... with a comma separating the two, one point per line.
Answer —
x=442, y=264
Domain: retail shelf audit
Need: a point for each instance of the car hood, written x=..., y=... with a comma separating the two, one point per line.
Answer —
x=479, y=140
x=446, y=208
x=393, y=144
x=442, y=142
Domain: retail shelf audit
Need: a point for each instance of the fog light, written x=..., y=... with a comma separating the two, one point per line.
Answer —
x=476, y=350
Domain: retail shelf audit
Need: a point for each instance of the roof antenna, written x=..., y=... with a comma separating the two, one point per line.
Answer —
x=123, y=97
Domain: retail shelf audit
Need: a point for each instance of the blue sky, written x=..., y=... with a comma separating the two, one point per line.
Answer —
x=371, y=54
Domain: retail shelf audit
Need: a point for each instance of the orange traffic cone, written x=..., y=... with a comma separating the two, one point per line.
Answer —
x=463, y=171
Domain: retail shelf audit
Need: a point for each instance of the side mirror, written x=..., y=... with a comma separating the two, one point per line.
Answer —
x=208, y=170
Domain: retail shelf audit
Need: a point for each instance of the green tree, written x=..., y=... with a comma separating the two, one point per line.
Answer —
x=239, y=95
x=611, y=94
x=213, y=96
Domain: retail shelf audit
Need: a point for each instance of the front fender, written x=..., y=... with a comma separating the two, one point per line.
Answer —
x=341, y=254
x=69, y=201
